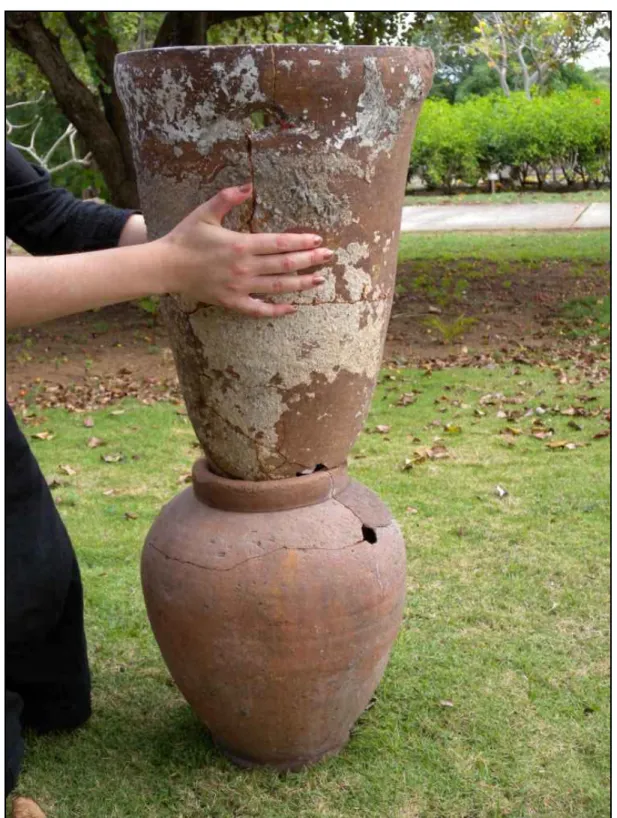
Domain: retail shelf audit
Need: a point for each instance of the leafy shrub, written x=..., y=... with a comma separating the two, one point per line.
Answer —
x=567, y=130
x=450, y=330
x=445, y=150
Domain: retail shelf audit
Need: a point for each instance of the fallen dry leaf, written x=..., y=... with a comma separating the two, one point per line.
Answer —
x=574, y=425
x=436, y=452
x=109, y=492
x=117, y=412
x=543, y=434
x=185, y=478
x=95, y=442
x=491, y=399
x=557, y=444
x=54, y=483
x=88, y=422
x=603, y=433
x=406, y=399
x=129, y=515
x=66, y=469
x=446, y=703
x=501, y=492
x=43, y=436
x=411, y=510
x=382, y=430
x=116, y=457
x=452, y=429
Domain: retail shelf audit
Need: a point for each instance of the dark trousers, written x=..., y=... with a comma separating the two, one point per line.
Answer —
x=47, y=679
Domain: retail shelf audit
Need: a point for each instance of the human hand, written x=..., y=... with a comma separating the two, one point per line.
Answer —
x=214, y=265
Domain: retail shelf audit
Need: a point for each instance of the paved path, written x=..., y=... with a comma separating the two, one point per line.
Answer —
x=481, y=217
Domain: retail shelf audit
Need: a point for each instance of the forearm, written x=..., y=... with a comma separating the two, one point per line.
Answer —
x=42, y=288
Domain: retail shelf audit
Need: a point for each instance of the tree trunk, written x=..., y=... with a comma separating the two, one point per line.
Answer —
x=102, y=47
x=503, y=82
x=191, y=27
x=27, y=33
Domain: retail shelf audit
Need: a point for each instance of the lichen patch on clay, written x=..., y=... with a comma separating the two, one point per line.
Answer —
x=339, y=347
x=358, y=282
x=247, y=90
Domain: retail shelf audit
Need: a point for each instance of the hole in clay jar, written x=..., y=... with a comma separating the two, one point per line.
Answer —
x=259, y=120
x=369, y=534
x=318, y=467
x=270, y=117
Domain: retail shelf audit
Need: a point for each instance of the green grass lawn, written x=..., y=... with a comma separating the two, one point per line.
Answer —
x=534, y=246
x=531, y=197
x=496, y=700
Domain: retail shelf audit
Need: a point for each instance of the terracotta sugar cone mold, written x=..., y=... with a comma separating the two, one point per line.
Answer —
x=275, y=585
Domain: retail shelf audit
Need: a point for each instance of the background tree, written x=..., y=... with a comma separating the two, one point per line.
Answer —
x=526, y=48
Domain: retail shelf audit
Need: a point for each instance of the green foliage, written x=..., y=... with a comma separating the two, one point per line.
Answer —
x=480, y=81
x=568, y=131
x=600, y=76
x=445, y=147
x=587, y=317
x=450, y=330
x=150, y=304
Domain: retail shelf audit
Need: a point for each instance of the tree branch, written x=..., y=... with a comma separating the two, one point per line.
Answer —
x=524, y=68
x=503, y=69
x=100, y=52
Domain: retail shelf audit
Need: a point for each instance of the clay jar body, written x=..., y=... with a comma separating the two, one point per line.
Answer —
x=324, y=134
x=275, y=598
x=275, y=622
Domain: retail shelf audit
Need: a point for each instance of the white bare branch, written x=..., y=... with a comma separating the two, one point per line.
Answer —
x=25, y=103
x=45, y=161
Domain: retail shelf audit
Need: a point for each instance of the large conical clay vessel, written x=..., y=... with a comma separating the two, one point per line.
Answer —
x=274, y=585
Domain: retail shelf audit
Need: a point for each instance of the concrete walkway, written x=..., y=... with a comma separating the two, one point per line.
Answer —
x=481, y=217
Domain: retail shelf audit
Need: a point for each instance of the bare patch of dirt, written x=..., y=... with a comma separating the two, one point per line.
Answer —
x=507, y=308
x=98, y=357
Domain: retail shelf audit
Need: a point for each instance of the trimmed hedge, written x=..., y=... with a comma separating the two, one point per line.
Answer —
x=567, y=131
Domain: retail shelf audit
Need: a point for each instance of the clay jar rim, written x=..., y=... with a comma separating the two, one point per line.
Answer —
x=326, y=48
x=267, y=495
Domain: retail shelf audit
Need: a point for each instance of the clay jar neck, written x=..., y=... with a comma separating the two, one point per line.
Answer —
x=266, y=495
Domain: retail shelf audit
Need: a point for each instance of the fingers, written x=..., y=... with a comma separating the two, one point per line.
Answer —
x=260, y=309
x=215, y=209
x=265, y=244
x=273, y=285
x=283, y=263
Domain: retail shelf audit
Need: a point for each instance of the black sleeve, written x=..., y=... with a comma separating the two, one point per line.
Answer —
x=48, y=221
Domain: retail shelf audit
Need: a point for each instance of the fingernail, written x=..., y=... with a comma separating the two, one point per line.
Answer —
x=318, y=279
x=245, y=188
x=317, y=240
x=327, y=254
